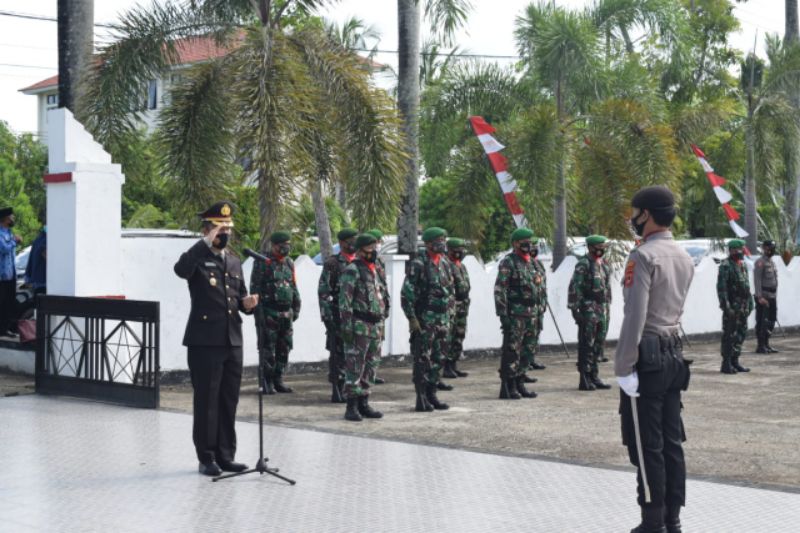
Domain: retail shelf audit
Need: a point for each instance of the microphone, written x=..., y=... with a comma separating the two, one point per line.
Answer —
x=255, y=255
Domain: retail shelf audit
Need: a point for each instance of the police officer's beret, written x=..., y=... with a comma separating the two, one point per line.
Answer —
x=378, y=234
x=365, y=239
x=596, y=240
x=433, y=233
x=456, y=243
x=520, y=234
x=346, y=233
x=735, y=243
x=220, y=213
x=280, y=237
x=6, y=211
x=654, y=198
x=768, y=242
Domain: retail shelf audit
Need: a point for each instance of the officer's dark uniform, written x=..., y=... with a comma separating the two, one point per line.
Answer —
x=765, y=285
x=214, y=341
x=657, y=278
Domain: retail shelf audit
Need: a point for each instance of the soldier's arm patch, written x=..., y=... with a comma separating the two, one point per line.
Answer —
x=629, y=272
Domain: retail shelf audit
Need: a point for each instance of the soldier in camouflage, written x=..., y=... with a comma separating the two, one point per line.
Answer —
x=428, y=301
x=733, y=290
x=456, y=251
x=328, y=293
x=275, y=283
x=518, y=293
x=362, y=310
x=589, y=299
x=380, y=266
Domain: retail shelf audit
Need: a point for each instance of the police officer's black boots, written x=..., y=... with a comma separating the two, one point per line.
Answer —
x=508, y=389
x=762, y=343
x=537, y=366
x=267, y=383
x=586, y=382
x=365, y=410
x=672, y=519
x=448, y=373
x=433, y=400
x=336, y=392
x=769, y=348
x=277, y=381
x=597, y=382
x=652, y=520
x=737, y=366
x=727, y=366
x=422, y=399
x=352, y=410
x=525, y=393
x=459, y=373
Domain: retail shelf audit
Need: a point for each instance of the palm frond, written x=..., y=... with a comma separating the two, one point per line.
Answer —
x=446, y=17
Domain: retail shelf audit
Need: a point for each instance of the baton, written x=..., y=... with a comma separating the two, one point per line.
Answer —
x=553, y=316
x=685, y=337
x=639, y=449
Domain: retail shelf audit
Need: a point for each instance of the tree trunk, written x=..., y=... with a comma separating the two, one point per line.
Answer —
x=792, y=205
x=560, y=207
x=408, y=16
x=792, y=32
x=75, y=48
x=750, y=214
x=321, y=219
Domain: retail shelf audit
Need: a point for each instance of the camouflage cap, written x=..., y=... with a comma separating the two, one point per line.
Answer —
x=596, y=240
x=378, y=234
x=456, y=243
x=280, y=237
x=346, y=233
x=734, y=244
x=520, y=234
x=433, y=233
x=365, y=239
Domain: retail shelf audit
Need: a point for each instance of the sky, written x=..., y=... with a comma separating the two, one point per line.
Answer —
x=28, y=47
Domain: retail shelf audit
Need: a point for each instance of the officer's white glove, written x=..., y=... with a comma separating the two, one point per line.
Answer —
x=630, y=384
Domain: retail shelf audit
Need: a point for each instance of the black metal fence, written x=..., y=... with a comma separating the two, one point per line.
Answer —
x=98, y=348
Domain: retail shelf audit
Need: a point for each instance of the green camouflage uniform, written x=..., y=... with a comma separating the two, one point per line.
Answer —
x=520, y=297
x=428, y=295
x=278, y=307
x=736, y=302
x=589, y=300
x=459, y=321
x=328, y=292
x=362, y=310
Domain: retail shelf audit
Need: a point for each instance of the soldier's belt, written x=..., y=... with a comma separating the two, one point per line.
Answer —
x=278, y=306
x=527, y=302
x=368, y=317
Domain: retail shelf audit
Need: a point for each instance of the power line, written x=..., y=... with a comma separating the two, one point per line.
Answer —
x=27, y=66
x=29, y=16
x=438, y=54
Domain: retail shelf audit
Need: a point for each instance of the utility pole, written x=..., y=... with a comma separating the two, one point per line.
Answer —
x=75, y=48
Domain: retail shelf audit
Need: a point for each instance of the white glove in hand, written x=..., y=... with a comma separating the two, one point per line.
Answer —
x=630, y=384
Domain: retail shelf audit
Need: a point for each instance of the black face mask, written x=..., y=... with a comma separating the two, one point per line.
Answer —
x=371, y=257
x=284, y=249
x=348, y=247
x=638, y=228
x=458, y=255
x=769, y=252
x=737, y=255
x=526, y=248
x=598, y=253
x=439, y=247
x=222, y=241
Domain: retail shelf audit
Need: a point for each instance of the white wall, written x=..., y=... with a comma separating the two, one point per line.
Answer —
x=148, y=275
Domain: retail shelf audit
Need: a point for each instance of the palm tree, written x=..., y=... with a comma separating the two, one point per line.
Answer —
x=791, y=38
x=75, y=45
x=285, y=104
x=445, y=17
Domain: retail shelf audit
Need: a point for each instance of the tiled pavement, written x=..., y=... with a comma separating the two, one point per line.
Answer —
x=70, y=465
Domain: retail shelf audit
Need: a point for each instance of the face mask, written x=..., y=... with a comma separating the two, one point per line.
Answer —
x=737, y=255
x=439, y=247
x=222, y=241
x=534, y=252
x=598, y=253
x=11, y=224
x=371, y=257
x=378, y=248
x=526, y=248
x=348, y=247
x=458, y=255
x=769, y=252
x=283, y=249
x=638, y=228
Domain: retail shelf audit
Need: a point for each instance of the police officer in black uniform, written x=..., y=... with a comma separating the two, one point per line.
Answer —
x=214, y=338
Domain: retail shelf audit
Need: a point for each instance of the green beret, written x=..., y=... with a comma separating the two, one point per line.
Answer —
x=346, y=233
x=365, y=239
x=431, y=234
x=735, y=243
x=279, y=237
x=456, y=243
x=521, y=234
x=594, y=240
x=378, y=234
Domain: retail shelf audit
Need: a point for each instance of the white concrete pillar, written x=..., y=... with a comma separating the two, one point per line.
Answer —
x=84, y=212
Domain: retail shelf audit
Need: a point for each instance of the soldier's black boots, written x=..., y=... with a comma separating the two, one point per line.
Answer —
x=449, y=372
x=336, y=392
x=508, y=389
x=433, y=400
x=737, y=366
x=586, y=382
x=352, y=410
x=267, y=385
x=537, y=366
x=459, y=373
x=672, y=519
x=441, y=385
x=365, y=410
x=652, y=521
x=727, y=366
x=527, y=379
x=525, y=393
x=277, y=382
x=379, y=381
x=598, y=383
x=422, y=399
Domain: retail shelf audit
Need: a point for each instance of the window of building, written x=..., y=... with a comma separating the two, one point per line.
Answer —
x=152, y=94
x=52, y=99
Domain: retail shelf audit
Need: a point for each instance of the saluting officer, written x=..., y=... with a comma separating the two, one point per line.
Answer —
x=214, y=338
x=649, y=361
x=765, y=281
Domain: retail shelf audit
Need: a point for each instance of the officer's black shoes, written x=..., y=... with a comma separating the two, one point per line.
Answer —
x=508, y=389
x=433, y=400
x=352, y=413
x=449, y=373
x=379, y=381
x=586, y=382
x=267, y=385
x=230, y=466
x=761, y=349
x=599, y=384
x=537, y=366
x=527, y=379
x=770, y=349
x=652, y=520
x=365, y=410
x=443, y=386
x=738, y=367
x=422, y=400
x=602, y=359
x=525, y=393
x=672, y=519
x=336, y=394
x=727, y=367
x=459, y=373
x=209, y=469
x=279, y=386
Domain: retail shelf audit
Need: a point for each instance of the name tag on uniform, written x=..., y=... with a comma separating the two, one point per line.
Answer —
x=210, y=264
